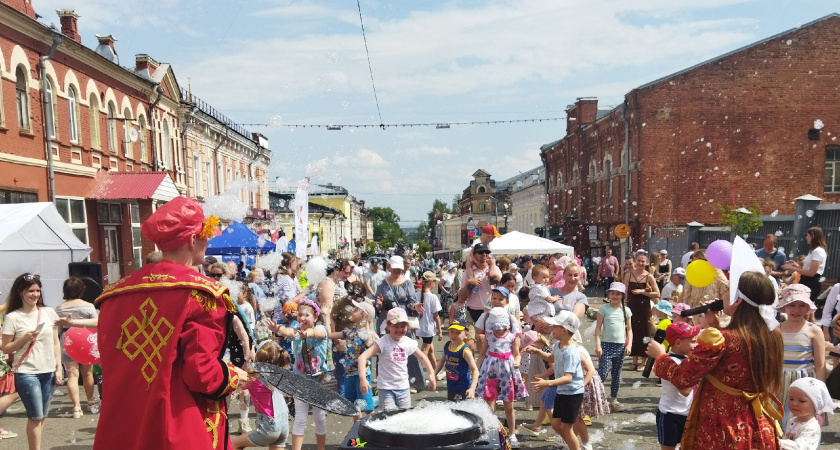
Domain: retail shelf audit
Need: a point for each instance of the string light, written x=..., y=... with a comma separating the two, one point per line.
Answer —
x=437, y=125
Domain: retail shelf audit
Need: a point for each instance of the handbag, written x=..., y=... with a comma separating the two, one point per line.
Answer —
x=832, y=382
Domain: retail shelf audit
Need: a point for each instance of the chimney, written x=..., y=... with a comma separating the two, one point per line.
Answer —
x=145, y=65
x=106, y=48
x=571, y=119
x=587, y=110
x=68, y=19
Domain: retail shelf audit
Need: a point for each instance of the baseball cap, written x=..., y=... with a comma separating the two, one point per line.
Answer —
x=513, y=266
x=396, y=262
x=663, y=252
x=397, y=315
x=209, y=260
x=665, y=307
x=679, y=271
x=565, y=319
x=481, y=247
x=502, y=290
x=365, y=307
x=458, y=324
x=680, y=330
x=527, y=258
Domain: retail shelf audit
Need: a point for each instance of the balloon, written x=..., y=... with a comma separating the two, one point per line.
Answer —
x=700, y=273
x=81, y=344
x=719, y=254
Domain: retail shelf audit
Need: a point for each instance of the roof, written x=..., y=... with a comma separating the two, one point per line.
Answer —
x=134, y=185
x=503, y=185
x=725, y=55
x=316, y=189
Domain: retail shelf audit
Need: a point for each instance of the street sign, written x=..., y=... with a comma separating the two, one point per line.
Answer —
x=622, y=231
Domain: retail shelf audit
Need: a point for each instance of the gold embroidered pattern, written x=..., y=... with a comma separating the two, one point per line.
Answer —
x=146, y=336
x=207, y=301
x=233, y=378
x=229, y=305
x=213, y=425
x=157, y=277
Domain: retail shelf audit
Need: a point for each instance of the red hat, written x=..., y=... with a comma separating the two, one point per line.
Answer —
x=491, y=230
x=680, y=330
x=173, y=223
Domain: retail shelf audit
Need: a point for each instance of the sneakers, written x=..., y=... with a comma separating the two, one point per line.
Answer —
x=586, y=446
x=441, y=376
x=530, y=430
x=412, y=390
x=77, y=413
x=616, y=406
x=6, y=434
x=244, y=426
x=513, y=442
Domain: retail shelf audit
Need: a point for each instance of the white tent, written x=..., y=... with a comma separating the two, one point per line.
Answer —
x=35, y=239
x=516, y=243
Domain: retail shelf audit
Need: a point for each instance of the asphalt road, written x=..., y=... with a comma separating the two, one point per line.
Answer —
x=632, y=429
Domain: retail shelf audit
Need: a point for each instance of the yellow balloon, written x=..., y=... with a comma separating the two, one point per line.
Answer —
x=700, y=273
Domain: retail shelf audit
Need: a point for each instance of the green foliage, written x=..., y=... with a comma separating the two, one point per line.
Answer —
x=385, y=226
x=423, y=248
x=740, y=223
x=370, y=247
x=456, y=204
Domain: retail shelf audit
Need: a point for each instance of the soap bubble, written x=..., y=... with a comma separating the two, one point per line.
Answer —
x=809, y=213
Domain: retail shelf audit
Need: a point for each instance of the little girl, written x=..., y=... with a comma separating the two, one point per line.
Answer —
x=804, y=341
x=807, y=397
x=499, y=377
x=612, y=336
x=272, y=413
x=430, y=324
x=359, y=337
x=594, y=403
x=392, y=372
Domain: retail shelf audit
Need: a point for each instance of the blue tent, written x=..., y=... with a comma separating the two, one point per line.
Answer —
x=238, y=239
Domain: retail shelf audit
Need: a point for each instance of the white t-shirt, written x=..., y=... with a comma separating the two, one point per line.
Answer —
x=817, y=254
x=448, y=278
x=431, y=305
x=669, y=289
x=528, y=280
x=393, y=362
x=249, y=313
x=672, y=401
x=685, y=259
x=42, y=358
x=518, y=283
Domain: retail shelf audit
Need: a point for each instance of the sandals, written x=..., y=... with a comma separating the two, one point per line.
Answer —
x=77, y=412
x=633, y=367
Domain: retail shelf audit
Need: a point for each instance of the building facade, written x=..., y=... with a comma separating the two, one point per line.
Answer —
x=325, y=223
x=528, y=203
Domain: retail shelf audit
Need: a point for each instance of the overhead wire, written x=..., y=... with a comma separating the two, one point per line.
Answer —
x=370, y=68
x=396, y=125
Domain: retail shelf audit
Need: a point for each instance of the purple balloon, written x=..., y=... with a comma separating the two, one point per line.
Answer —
x=719, y=254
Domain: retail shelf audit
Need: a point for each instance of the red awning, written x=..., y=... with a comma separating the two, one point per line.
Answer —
x=134, y=186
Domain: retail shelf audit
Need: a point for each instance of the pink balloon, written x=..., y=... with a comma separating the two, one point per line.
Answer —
x=81, y=344
x=719, y=254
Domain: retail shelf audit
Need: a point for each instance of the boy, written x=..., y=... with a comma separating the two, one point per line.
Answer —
x=673, y=290
x=568, y=377
x=461, y=371
x=540, y=300
x=675, y=403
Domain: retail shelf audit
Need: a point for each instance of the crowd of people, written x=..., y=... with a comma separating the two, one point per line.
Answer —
x=736, y=378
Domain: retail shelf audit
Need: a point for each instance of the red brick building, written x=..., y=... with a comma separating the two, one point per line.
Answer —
x=740, y=126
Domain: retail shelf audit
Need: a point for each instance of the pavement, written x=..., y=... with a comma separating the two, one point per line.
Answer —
x=631, y=429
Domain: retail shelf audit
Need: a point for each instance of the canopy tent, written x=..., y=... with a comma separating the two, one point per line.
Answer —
x=35, y=238
x=517, y=243
x=238, y=239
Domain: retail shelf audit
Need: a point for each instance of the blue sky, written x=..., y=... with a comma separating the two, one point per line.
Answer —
x=281, y=62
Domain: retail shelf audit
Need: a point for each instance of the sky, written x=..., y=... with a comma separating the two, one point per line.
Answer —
x=279, y=63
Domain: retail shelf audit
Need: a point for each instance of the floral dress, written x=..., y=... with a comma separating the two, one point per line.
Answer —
x=498, y=379
x=719, y=419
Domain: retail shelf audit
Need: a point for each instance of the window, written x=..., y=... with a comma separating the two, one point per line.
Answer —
x=22, y=98
x=481, y=189
x=49, y=108
x=832, y=169
x=228, y=175
x=108, y=213
x=559, y=183
x=72, y=210
x=607, y=170
x=208, y=168
x=144, y=149
x=73, y=113
x=482, y=207
x=93, y=112
x=166, y=148
x=197, y=175
x=129, y=146
x=7, y=196
x=112, y=127
x=136, y=243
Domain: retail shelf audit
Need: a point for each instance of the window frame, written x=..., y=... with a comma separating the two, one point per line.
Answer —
x=93, y=116
x=73, y=113
x=70, y=219
x=112, y=127
x=49, y=110
x=832, y=164
x=22, y=98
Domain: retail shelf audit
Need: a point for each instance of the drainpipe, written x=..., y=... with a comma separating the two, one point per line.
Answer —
x=627, y=160
x=152, y=123
x=56, y=39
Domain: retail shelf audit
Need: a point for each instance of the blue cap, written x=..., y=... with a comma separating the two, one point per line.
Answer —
x=502, y=290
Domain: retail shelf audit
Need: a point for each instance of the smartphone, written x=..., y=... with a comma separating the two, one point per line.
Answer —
x=39, y=327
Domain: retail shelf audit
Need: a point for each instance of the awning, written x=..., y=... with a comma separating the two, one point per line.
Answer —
x=134, y=186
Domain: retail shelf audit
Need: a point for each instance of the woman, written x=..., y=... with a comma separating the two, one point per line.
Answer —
x=77, y=310
x=641, y=289
x=653, y=268
x=664, y=269
x=28, y=333
x=695, y=296
x=739, y=371
x=812, y=268
x=256, y=278
x=329, y=291
x=447, y=278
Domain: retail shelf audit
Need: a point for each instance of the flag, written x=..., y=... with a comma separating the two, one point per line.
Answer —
x=302, y=218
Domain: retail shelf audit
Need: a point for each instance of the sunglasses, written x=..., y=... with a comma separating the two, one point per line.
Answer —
x=482, y=253
x=31, y=277
x=215, y=275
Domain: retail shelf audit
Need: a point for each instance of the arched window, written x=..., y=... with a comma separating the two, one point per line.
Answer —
x=144, y=152
x=73, y=113
x=559, y=179
x=481, y=190
x=22, y=98
x=607, y=169
x=112, y=127
x=93, y=112
x=129, y=146
x=166, y=146
x=49, y=108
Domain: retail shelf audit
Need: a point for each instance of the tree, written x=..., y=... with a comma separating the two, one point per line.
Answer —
x=741, y=221
x=423, y=248
x=456, y=203
x=385, y=226
x=439, y=206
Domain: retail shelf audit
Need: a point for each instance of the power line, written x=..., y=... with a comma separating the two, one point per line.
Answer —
x=439, y=125
x=370, y=68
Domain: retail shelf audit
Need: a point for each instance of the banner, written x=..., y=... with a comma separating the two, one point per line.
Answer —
x=302, y=218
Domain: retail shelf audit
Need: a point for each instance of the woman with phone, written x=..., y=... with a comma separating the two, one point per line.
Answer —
x=28, y=332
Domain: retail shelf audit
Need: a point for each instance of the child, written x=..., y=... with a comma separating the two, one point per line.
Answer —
x=568, y=377
x=594, y=402
x=674, y=403
x=807, y=397
x=499, y=377
x=673, y=290
x=288, y=320
x=804, y=341
x=459, y=364
x=392, y=373
x=676, y=313
x=769, y=266
x=430, y=324
x=272, y=426
x=663, y=311
x=612, y=338
x=359, y=338
x=541, y=367
x=529, y=337
x=540, y=300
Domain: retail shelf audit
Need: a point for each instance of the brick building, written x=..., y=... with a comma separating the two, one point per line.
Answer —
x=737, y=127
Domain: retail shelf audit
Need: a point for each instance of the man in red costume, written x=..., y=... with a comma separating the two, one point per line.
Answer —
x=162, y=335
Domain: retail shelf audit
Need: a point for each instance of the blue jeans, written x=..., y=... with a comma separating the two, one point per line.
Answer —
x=394, y=399
x=338, y=371
x=35, y=390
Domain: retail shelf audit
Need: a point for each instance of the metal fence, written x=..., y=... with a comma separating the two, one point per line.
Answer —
x=828, y=218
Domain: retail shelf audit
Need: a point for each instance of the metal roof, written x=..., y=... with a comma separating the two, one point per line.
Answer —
x=134, y=186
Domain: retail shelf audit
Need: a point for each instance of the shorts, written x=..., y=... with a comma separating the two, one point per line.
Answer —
x=35, y=390
x=394, y=399
x=567, y=407
x=456, y=396
x=471, y=320
x=427, y=340
x=669, y=428
x=270, y=431
x=354, y=394
x=548, y=397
